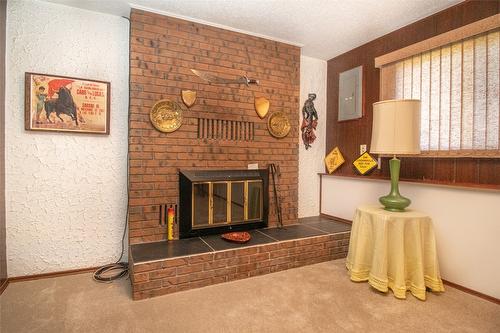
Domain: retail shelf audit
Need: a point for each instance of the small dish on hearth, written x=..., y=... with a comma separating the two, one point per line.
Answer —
x=240, y=237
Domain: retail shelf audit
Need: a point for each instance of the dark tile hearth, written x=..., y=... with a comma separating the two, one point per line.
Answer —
x=292, y=232
x=167, y=267
x=307, y=227
x=315, y=219
x=330, y=226
x=163, y=250
x=219, y=244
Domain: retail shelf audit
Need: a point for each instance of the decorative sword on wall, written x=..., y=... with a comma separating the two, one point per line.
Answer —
x=219, y=80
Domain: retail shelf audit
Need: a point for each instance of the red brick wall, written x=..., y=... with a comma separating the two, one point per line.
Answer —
x=162, y=52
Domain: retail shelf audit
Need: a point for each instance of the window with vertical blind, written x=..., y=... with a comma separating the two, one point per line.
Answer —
x=458, y=85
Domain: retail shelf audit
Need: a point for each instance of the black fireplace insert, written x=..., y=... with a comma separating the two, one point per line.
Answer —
x=217, y=201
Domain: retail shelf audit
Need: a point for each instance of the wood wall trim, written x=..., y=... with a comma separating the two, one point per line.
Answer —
x=51, y=274
x=449, y=37
x=464, y=186
x=6, y=282
x=472, y=292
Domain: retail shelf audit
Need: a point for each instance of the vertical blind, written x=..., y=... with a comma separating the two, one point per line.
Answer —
x=458, y=85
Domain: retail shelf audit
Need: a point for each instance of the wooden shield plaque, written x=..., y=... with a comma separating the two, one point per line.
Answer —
x=261, y=106
x=188, y=97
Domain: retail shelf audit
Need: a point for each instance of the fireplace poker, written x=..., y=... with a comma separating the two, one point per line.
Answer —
x=160, y=214
x=175, y=212
x=275, y=172
x=165, y=214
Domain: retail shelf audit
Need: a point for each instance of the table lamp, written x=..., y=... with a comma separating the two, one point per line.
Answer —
x=396, y=131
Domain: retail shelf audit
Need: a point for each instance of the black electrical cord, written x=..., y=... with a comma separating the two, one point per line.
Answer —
x=118, y=269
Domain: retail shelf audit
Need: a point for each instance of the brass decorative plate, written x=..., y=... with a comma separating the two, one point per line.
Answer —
x=278, y=125
x=166, y=116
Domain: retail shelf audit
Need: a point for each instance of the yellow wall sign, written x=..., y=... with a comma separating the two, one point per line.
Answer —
x=333, y=160
x=364, y=163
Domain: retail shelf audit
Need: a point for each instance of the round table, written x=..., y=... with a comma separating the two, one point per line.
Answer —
x=394, y=250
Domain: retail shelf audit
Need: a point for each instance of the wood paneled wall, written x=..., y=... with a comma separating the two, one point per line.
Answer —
x=350, y=134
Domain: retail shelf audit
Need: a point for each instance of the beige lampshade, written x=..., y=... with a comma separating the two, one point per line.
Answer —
x=396, y=127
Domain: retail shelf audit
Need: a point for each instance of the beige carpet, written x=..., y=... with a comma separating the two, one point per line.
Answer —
x=318, y=298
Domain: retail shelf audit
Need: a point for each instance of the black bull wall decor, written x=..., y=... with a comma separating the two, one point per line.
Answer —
x=64, y=103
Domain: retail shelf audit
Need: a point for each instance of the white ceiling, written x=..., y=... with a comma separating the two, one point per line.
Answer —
x=324, y=28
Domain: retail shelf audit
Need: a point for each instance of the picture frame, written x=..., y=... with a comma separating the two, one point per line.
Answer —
x=66, y=104
x=351, y=94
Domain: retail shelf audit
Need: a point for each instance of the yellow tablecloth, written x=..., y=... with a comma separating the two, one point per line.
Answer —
x=394, y=250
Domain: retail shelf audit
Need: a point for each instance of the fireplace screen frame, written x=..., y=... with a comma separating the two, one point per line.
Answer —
x=189, y=179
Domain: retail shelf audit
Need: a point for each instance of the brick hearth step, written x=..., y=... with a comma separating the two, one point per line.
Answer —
x=161, y=268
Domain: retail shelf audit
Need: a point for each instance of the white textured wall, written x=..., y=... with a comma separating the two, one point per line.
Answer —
x=65, y=193
x=466, y=224
x=312, y=80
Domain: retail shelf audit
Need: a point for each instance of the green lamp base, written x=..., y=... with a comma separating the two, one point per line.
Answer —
x=394, y=201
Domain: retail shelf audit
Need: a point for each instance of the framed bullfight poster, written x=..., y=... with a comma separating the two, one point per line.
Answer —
x=60, y=103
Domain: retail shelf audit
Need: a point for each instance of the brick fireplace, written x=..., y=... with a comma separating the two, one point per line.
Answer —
x=220, y=135
x=162, y=52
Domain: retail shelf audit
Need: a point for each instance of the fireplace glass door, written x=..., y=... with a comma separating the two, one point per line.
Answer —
x=201, y=204
x=219, y=202
x=254, y=200
x=226, y=202
x=237, y=201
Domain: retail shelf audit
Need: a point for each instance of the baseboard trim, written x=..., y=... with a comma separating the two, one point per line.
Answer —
x=3, y=285
x=335, y=218
x=472, y=292
x=51, y=275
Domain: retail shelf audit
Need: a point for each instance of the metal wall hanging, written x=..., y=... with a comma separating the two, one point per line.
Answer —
x=166, y=116
x=261, y=106
x=188, y=97
x=309, y=121
x=210, y=78
x=278, y=125
x=334, y=160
